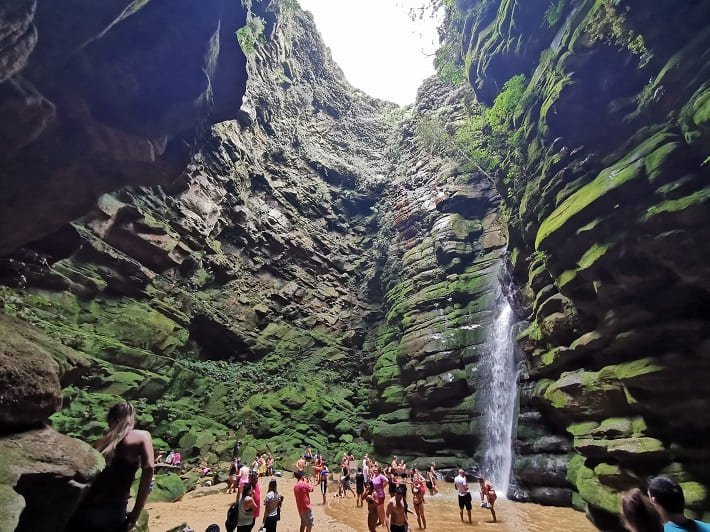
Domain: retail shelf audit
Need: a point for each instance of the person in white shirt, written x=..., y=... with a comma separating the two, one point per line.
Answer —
x=461, y=485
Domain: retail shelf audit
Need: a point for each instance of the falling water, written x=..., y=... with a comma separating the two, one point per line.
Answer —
x=498, y=458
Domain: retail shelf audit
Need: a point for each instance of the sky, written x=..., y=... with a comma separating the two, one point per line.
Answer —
x=380, y=49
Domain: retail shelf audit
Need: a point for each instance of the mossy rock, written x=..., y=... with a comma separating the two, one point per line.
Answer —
x=167, y=488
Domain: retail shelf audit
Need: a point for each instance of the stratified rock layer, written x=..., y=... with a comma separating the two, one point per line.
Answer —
x=96, y=96
x=609, y=228
x=443, y=243
x=228, y=301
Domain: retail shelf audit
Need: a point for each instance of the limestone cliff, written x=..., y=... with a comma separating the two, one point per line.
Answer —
x=606, y=186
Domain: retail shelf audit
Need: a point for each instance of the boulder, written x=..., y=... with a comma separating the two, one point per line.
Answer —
x=42, y=477
x=30, y=367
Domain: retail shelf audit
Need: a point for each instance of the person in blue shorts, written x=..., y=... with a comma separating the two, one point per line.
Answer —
x=667, y=496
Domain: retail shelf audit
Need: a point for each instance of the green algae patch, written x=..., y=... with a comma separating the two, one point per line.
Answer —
x=610, y=180
x=167, y=488
x=582, y=429
x=696, y=199
x=594, y=492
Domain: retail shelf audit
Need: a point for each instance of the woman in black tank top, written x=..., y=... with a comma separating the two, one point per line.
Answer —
x=125, y=450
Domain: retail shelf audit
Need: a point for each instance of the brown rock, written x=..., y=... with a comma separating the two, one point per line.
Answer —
x=29, y=374
x=42, y=476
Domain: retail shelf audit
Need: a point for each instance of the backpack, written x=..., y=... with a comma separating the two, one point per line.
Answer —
x=232, y=517
x=212, y=528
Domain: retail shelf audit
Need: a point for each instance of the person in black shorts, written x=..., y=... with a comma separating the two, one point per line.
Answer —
x=464, y=495
x=359, y=486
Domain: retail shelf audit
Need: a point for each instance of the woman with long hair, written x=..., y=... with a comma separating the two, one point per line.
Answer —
x=372, y=506
x=272, y=508
x=639, y=515
x=125, y=450
x=245, y=513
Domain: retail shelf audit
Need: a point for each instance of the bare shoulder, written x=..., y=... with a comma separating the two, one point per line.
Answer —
x=138, y=437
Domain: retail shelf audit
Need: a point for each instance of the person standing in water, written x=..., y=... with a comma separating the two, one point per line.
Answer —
x=488, y=495
x=418, y=491
x=324, y=480
x=372, y=507
x=431, y=480
x=359, y=486
x=233, y=478
x=379, y=482
x=397, y=512
x=461, y=485
x=125, y=450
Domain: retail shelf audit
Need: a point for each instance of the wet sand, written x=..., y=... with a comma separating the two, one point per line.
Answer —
x=341, y=515
x=442, y=515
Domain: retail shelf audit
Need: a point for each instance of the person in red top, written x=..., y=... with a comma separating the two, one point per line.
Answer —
x=301, y=492
x=255, y=491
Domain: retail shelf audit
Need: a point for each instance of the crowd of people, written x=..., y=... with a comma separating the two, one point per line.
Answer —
x=126, y=450
x=373, y=482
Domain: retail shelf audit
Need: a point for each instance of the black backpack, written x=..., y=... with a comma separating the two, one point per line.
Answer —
x=232, y=517
x=212, y=528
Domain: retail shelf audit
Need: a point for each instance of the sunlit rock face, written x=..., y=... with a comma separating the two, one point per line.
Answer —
x=443, y=241
x=96, y=96
x=609, y=237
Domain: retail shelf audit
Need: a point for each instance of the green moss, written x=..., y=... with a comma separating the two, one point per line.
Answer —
x=167, y=488
x=610, y=180
x=595, y=493
x=696, y=495
x=696, y=199
x=582, y=429
x=593, y=254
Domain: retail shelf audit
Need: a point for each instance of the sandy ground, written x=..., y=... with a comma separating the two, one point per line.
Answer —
x=341, y=515
x=201, y=512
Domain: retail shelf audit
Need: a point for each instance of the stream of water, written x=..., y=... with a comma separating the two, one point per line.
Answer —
x=501, y=397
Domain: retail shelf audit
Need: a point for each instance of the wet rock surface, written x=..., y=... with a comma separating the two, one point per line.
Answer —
x=608, y=235
x=443, y=252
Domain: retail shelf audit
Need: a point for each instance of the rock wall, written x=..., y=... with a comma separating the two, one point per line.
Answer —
x=443, y=241
x=608, y=222
x=231, y=302
x=95, y=97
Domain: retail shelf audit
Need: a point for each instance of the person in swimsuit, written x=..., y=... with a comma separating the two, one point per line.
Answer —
x=397, y=512
x=125, y=450
x=488, y=495
x=372, y=507
x=243, y=479
x=359, y=487
x=232, y=478
x=300, y=466
x=379, y=482
x=431, y=480
x=323, y=479
x=418, y=491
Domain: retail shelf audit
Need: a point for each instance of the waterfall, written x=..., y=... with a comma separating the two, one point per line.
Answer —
x=502, y=393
